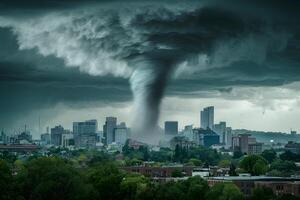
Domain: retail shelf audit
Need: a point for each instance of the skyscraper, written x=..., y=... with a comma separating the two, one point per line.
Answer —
x=171, y=127
x=108, y=129
x=85, y=133
x=121, y=133
x=207, y=118
x=56, y=135
x=220, y=129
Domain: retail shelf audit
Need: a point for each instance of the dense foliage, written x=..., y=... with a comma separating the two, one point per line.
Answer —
x=82, y=174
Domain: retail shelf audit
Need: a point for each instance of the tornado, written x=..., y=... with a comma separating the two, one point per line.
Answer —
x=148, y=84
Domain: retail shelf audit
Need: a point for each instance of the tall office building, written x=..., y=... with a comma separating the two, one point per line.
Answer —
x=85, y=133
x=89, y=126
x=108, y=129
x=207, y=118
x=171, y=127
x=220, y=129
x=56, y=135
x=188, y=132
x=121, y=134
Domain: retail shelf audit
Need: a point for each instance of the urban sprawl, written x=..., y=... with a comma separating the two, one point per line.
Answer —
x=214, y=156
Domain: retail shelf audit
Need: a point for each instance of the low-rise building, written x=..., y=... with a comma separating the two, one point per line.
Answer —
x=279, y=185
x=163, y=171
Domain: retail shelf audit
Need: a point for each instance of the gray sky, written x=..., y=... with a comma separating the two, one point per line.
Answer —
x=74, y=60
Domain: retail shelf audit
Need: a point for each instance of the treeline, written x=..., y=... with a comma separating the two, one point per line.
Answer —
x=53, y=178
x=179, y=154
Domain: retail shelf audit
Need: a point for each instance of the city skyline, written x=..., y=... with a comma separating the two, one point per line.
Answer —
x=150, y=62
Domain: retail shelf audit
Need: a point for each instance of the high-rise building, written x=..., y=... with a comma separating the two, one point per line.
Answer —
x=89, y=126
x=220, y=129
x=171, y=127
x=85, y=133
x=56, y=135
x=241, y=143
x=121, y=134
x=207, y=118
x=45, y=138
x=228, y=141
x=188, y=132
x=205, y=137
x=108, y=130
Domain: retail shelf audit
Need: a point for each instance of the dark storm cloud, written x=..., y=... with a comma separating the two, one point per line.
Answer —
x=30, y=82
x=209, y=45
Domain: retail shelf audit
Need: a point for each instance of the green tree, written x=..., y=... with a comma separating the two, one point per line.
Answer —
x=232, y=170
x=106, y=179
x=196, y=187
x=5, y=181
x=260, y=167
x=170, y=191
x=225, y=191
x=132, y=186
x=269, y=155
x=195, y=162
x=51, y=179
x=290, y=156
x=254, y=164
x=283, y=167
x=224, y=163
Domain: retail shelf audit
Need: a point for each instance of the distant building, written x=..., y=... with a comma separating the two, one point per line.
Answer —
x=85, y=133
x=246, y=144
x=188, y=132
x=255, y=148
x=121, y=134
x=207, y=118
x=211, y=139
x=23, y=148
x=108, y=130
x=67, y=139
x=56, y=135
x=171, y=128
x=164, y=171
x=220, y=129
x=228, y=137
x=24, y=136
x=205, y=137
x=292, y=147
x=182, y=142
x=45, y=139
x=244, y=141
x=279, y=185
x=3, y=138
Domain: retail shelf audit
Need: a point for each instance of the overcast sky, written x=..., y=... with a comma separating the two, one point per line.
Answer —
x=73, y=60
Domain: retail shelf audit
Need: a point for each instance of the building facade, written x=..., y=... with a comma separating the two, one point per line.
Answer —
x=56, y=135
x=207, y=118
x=108, y=130
x=85, y=133
x=171, y=128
